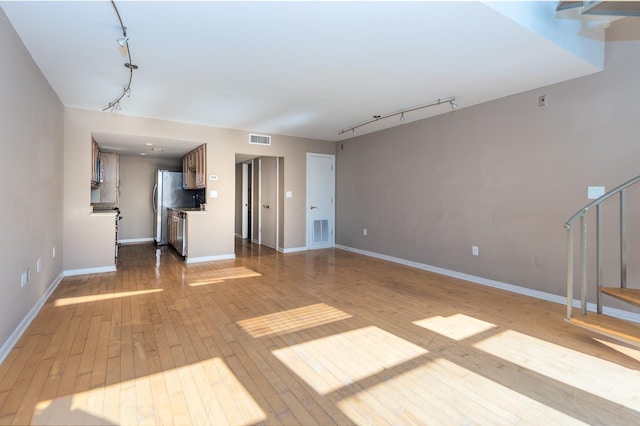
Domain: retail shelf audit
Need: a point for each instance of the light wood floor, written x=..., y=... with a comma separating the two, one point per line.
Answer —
x=324, y=337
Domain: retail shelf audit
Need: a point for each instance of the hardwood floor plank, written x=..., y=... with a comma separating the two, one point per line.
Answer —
x=319, y=337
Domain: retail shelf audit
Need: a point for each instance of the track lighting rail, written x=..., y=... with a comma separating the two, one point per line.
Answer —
x=375, y=118
x=114, y=105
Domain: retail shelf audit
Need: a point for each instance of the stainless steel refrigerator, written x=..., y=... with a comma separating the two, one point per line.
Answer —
x=167, y=192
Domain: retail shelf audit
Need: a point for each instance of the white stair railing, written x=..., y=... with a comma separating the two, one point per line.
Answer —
x=582, y=215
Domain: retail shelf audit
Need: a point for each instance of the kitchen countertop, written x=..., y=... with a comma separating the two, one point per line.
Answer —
x=188, y=210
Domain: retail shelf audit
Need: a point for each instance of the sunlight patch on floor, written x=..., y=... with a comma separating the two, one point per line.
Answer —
x=66, y=301
x=457, y=327
x=454, y=395
x=292, y=320
x=203, y=393
x=332, y=362
x=221, y=275
x=619, y=385
x=630, y=352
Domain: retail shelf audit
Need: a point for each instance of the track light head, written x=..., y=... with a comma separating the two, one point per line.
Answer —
x=402, y=117
x=123, y=41
x=454, y=105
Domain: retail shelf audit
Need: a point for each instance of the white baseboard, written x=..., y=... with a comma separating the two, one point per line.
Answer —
x=100, y=270
x=136, y=240
x=210, y=258
x=24, y=324
x=618, y=313
x=291, y=250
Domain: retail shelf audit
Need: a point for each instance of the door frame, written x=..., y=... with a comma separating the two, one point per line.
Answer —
x=332, y=242
x=244, y=233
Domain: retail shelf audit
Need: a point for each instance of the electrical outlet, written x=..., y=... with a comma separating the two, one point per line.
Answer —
x=539, y=259
x=474, y=250
x=39, y=265
x=364, y=231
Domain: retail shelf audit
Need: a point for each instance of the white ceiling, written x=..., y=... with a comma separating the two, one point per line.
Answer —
x=306, y=69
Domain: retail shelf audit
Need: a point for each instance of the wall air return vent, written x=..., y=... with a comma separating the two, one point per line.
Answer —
x=259, y=139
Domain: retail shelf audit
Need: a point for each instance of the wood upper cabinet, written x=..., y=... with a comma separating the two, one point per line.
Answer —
x=201, y=166
x=185, y=174
x=194, y=168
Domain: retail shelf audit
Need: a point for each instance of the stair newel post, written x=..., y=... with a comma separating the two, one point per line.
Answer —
x=599, y=258
x=569, y=272
x=623, y=241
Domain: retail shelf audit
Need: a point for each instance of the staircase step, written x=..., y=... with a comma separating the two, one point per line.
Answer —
x=630, y=295
x=615, y=328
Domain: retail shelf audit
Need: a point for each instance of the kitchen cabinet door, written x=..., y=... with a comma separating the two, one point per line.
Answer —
x=185, y=172
x=201, y=161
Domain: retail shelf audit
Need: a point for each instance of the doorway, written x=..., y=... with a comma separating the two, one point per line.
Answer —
x=321, y=188
x=259, y=214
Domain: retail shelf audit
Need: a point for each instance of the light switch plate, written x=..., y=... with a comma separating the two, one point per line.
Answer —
x=289, y=194
x=213, y=194
x=595, y=192
x=213, y=177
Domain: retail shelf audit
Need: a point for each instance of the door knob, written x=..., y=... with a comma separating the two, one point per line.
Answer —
x=313, y=207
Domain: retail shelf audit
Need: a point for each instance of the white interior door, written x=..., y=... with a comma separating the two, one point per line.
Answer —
x=255, y=201
x=268, y=201
x=245, y=201
x=321, y=188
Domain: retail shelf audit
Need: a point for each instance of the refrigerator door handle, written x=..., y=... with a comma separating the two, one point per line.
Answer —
x=154, y=197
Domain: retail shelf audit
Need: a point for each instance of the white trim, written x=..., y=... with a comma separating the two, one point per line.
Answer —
x=617, y=313
x=72, y=272
x=210, y=258
x=8, y=345
x=291, y=250
x=136, y=240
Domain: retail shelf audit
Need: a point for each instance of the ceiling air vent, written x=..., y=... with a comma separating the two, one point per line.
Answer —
x=259, y=139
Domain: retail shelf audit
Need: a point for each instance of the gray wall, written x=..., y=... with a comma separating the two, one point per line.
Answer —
x=137, y=177
x=31, y=134
x=504, y=175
